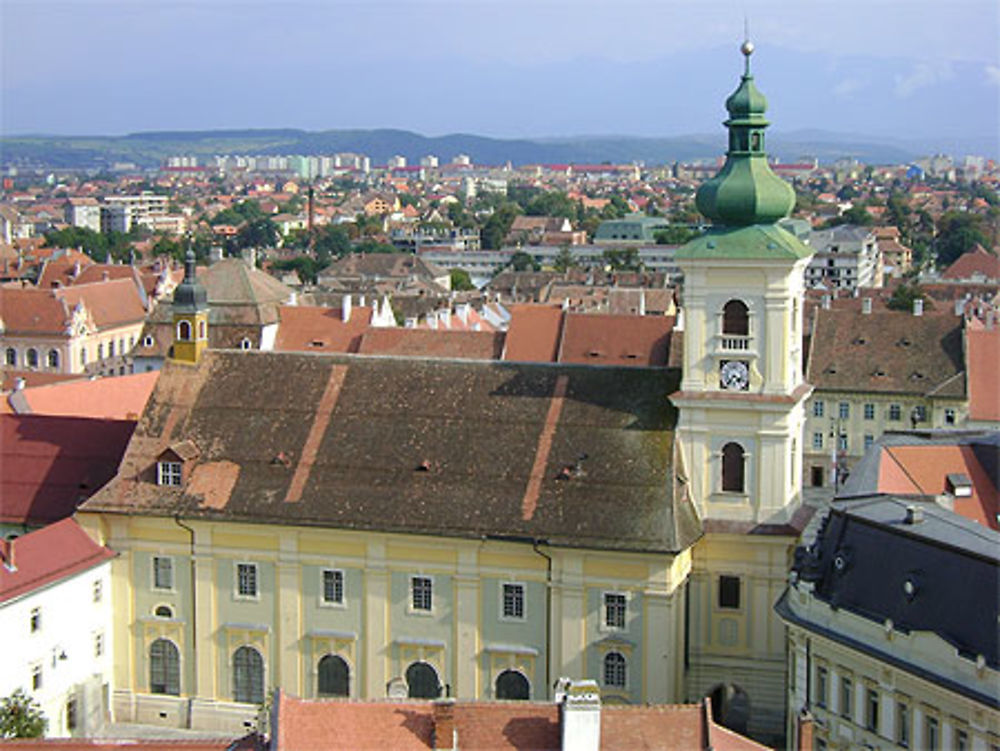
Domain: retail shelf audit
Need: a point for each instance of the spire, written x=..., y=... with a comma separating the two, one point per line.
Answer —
x=745, y=191
x=190, y=296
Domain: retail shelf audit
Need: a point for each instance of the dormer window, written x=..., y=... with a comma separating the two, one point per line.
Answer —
x=168, y=473
x=244, y=343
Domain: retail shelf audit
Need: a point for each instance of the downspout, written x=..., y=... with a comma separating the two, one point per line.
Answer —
x=194, y=618
x=548, y=613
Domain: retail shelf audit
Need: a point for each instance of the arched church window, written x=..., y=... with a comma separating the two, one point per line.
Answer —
x=512, y=685
x=333, y=676
x=736, y=318
x=422, y=681
x=184, y=331
x=732, y=468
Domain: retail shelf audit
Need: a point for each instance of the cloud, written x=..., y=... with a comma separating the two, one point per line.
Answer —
x=847, y=87
x=922, y=75
x=993, y=74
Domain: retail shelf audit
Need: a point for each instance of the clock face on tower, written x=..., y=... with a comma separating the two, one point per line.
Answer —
x=734, y=375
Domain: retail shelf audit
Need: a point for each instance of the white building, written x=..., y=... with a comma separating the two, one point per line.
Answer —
x=846, y=257
x=55, y=625
x=83, y=212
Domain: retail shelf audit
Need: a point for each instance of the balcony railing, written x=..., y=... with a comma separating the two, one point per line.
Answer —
x=734, y=343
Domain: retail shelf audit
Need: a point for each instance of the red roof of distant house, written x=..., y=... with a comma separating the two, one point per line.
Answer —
x=52, y=464
x=46, y=556
x=8, y=379
x=924, y=470
x=533, y=333
x=314, y=329
x=467, y=345
x=248, y=743
x=114, y=398
x=47, y=311
x=639, y=341
x=982, y=354
x=976, y=263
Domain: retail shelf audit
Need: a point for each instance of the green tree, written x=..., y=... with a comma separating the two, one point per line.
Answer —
x=957, y=233
x=621, y=259
x=373, y=246
x=675, y=234
x=564, y=260
x=904, y=295
x=21, y=717
x=257, y=233
x=460, y=281
x=94, y=244
x=498, y=225
x=522, y=261
x=307, y=268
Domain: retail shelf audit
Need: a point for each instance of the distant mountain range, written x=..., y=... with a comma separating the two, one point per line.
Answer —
x=150, y=149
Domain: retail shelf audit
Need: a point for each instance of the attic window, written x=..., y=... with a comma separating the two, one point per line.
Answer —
x=168, y=473
x=859, y=340
x=916, y=375
x=244, y=343
x=878, y=372
x=282, y=458
x=593, y=353
x=147, y=341
x=830, y=370
x=631, y=356
x=904, y=342
x=424, y=466
x=317, y=343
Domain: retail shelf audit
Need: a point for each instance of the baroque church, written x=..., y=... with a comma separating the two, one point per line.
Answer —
x=363, y=527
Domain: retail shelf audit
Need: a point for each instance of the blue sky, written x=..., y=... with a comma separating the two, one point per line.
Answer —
x=915, y=68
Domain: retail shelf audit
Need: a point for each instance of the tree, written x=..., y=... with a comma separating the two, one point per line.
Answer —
x=498, y=225
x=622, y=259
x=904, y=295
x=21, y=717
x=460, y=281
x=257, y=233
x=957, y=233
x=522, y=261
x=674, y=235
x=306, y=267
x=564, y=260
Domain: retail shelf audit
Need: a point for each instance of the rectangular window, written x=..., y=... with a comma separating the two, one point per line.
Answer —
x=895, y=412
x=98, y=644
x=949, y=416
x=842, y=442
x=869, y=411
x=333, y=586
x=818, y=440
x=614, y=610
x=71, y=714
x=844, y=410
x=421, y=593
x=35, y=620
x=36, y=677
x=818, y=408
x=871, y=710
x=98, y=590
x=846, y=697
x=729, y=592
x=903, y=724
x=163, y=572
x=869, y=440
x=168, y=473
x=821, y=686
x=931, y=739
x=246, y=579
x=961, y=740
x=920, y=413
x=513, y=600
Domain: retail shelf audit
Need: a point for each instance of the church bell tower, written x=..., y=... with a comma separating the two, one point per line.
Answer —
x=190, y=309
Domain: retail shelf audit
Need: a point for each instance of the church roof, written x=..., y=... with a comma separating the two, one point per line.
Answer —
x=577, y=456
x=758, y=241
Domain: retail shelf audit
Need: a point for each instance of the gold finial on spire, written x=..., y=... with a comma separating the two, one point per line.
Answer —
x=747, y=47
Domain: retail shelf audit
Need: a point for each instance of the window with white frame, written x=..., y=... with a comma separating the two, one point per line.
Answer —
x=822, y=683
x=333, y=586
x=844, y=410
x=818, y=408
x=163, y=572
x=615, y=604
x=729, y=592
x=421, y=594
x=949, y=416
x=869, y=440
x=869, y=411
x=52, y=359
x=98, y=590
x=895, y=412
x=902, y=723
x=168, y=473
x=31, y=358
x=615, y=670
x=513, y=600
x=246, y=580
x=818, y=440
x=846, y=697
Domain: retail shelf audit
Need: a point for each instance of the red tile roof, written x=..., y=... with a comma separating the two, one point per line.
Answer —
x=640, y=341
x=117, y=398
x=47, y=312
x=982, y=355
x=51, y=464
x=466, y=345
x=978, y=262
x=46, y=556
x=533, y=334
x=98, y=744
x=315, y=329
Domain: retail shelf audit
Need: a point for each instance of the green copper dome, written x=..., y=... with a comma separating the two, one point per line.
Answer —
x=745, y=191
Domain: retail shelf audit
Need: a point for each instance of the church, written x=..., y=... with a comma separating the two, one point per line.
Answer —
x=363, y=527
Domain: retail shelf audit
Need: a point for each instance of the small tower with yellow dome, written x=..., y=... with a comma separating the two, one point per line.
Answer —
x=190, y=308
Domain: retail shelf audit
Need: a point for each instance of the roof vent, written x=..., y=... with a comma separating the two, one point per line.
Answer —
x=878, y=372
x=282, y=458
x=959, y=485
x=424, y=466
x=904, y=342
x=866, y=306
x=914, y=515
x=860, y=340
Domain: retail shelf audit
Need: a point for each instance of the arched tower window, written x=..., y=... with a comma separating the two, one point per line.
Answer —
x=201, y=330
x=736, y=318
x=333, y=676
x=184, y=331
x=31, y=358
x=732, y=468
x=53, y=358
x=164, y=668
x=511, y=684
x=10, y=357
x=614, y=670
x=248, y=676
x=422, y=681
x=245, y=343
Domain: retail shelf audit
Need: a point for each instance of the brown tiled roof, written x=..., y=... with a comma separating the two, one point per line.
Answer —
x=113, y=303
x=887, y=352
x=33, y=311
x=533, y=333
x=314, y=329
x=578, y=456
x=637, y=341
x=468, y=345
x=232, y=282
x=977, y=262
x=982, y=358
x=381, y=265
x=50, y=464
x=46, y=556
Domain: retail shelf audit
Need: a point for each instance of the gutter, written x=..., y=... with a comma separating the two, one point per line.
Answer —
x=548, y=612
x=194, y=615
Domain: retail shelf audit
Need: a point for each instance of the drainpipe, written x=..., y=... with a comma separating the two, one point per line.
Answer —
x=548, y=611
x=194, y=618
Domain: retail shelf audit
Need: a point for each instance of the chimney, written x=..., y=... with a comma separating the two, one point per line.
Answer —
x=914, y=515
x=105, y=276
x=361, y=300
x=214, y=254
x=959, y=306
x=918, y=307
x=345, y=308
x=805, y=725
x=990, y=319
x=410, y=322
x=445, y=732
x=19, y=384
x=76, y=269
x=826, y=302
x=581, y=715
x=642, y=302
x=462, y=311
x=7, y=554
x=866, y=306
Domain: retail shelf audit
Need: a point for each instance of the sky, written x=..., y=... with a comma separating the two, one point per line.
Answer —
x=507, y=68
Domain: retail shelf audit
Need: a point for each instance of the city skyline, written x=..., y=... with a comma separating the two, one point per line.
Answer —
x=497, y=69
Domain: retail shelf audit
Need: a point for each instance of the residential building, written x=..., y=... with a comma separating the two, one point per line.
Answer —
x=982, y=353
x=897, y=258
x=544, y=230
x=846, y=257
x=83, y=212
x=892, y=628
x=55, y=620
x=633, y=229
